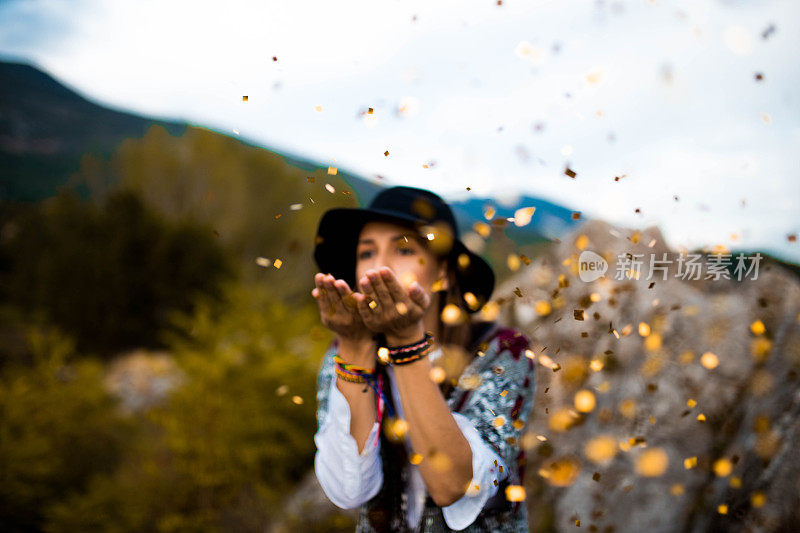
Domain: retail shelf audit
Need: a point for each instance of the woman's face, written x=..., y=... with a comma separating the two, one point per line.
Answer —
x=401, y=249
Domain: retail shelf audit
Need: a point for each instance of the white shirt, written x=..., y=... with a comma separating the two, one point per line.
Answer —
x=350, y=479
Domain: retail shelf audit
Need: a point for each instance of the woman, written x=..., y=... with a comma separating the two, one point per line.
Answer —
x=420, y=409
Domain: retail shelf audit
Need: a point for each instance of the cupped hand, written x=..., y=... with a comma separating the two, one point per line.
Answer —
x=338, y=309
x=397, y=310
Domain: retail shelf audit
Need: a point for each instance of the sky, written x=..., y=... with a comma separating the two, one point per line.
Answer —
x=655, y=105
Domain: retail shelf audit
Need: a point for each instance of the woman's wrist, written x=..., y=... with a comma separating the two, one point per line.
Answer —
x=405, y=337
x=358, y=351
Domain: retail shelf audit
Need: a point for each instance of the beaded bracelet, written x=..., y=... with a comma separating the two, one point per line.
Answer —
x=358, y=374
x=401, y=355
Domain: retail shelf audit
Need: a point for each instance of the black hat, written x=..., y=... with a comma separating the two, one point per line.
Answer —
x=422, y=210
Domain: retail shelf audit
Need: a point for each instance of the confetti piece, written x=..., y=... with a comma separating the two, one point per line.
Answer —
x=482, y=229
x=596, y=365
x=601, y=449
x=386, y=153
x=298, y=400
x=513, y=262
x=578, y=314
x=451, y=314
x=691, y=402
x=499, y=421
x=263, y=261
x=644, y=329
x=542, y=307
x=723, y=467
x=584, y=401
x=372, y=304
x=596, y=476
x=332, y=171
x=757, y=327
x=689, y=463
x=503, y=394
x=282, y=390
x=472, y=301
x=569, y=172
x=518, y=292
x=489, y=212
x=722, y=508
x=561, y=472
x=653, y=462
x=437, y=374
x=515, y=493
x=522, y=216
x=277, y=263
x=701, y=417
x=415, y=459
x=709, y=360
x=296, y=207
x=758, y=499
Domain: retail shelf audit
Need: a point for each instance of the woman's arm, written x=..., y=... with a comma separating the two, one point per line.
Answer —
x=349, y=474
x=432, y=429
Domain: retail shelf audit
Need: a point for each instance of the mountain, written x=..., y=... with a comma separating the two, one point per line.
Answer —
x=46, y=128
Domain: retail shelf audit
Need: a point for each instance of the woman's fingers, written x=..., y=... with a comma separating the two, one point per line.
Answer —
x=333, y=295
x=368, y=290
x=419, y=296
x=396, y=290
x=364, y=309
x=346, y=295
x=384, y=295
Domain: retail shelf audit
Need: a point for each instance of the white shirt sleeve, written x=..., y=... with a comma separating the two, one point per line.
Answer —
x=487, y=467
x=348, y=478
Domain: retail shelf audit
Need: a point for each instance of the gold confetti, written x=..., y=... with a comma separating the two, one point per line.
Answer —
x=709, y=360
x=676, y=489
x=263, y=261
x=330, y=188
x=499, y=422
x=282, y=390
x=518, y=424
x=569, y=172
x=601, y=449
x=722, y=508
x=470, y=381
x=513, y=262
x=451, y=314
x=652, y=343
x=653, y=462
x=690, y=462
x=277, y=263
x=691, y=402
x=489, y=212
x=561, y=420
x=383, y=354
x=439, y=461
x=758, y=499
x=297, y=399
x=401, y=308
x=735, y=482
x=701, y=417
x=472, y=301
x=584, y=401
x=515, y=493
x=503, y=394
x=244, y=98
x=318, y=108
x=562, y=472
x=490, y=311
x=757, y=327
x=644, y=329
x=723, y=467
x=482, y=229
x=396, y=429
x=437, y=374
x=522, y=217
x=372, y=304
x=542, y=307
x=415, y=458
x=581, y=242
x=596, y=365
x=332, y=171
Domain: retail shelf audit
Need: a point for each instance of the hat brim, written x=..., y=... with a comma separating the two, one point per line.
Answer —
x=337, y=242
